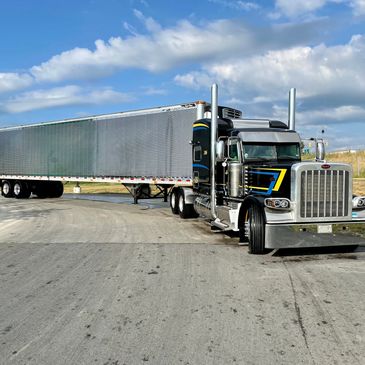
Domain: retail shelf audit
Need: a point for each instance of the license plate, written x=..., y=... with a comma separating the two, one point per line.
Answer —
x=324, y=228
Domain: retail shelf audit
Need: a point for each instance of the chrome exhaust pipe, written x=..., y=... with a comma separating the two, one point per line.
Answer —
x=200, y=109
x=213, y=139
x=291, y=111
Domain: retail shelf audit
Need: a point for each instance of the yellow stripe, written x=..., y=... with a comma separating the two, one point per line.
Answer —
x=280, y=179
x=257, y=187
x=200, y=125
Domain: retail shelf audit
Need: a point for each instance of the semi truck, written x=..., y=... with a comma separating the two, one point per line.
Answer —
x=239, y=174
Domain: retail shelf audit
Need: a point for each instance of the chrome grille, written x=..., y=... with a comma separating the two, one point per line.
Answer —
x=324, y=193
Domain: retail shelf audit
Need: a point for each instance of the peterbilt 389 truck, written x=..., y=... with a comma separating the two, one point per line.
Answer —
x=239, y=174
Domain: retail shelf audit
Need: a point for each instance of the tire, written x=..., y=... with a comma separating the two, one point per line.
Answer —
x=41, y=189
x=185, y=210
x=256, y=231
x=174, y=197
x=7, y=189
x=55, y=189
x=21, y=190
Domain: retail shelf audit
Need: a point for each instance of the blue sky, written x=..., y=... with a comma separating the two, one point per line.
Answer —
x=62, y=59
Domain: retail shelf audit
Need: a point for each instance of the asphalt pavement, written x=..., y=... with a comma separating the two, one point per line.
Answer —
x=107, y=282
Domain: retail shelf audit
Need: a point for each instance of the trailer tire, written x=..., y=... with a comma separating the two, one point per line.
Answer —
x=55, y=189
x=21, y=190
x=41, y=189
x=185, y=210
x=256, y=238
x=7, y=189
x=174, y=201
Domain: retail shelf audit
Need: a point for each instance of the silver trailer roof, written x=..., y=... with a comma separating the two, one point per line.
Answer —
x=160, y=109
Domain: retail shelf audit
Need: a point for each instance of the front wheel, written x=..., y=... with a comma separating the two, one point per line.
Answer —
x=256, y=230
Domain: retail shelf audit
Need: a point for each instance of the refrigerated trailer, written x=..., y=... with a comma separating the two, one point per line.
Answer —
x=239, y=174
x=136, y=148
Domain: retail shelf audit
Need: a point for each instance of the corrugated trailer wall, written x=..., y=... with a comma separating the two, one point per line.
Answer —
x=153, y=144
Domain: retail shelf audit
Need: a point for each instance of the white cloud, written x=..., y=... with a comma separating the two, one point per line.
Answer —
x=165, y=48
x=237, y=5
x=14, y=81
x=358, y=7
x=61, y=96
x=332, y=71
x=294, y=8
x=160, y=50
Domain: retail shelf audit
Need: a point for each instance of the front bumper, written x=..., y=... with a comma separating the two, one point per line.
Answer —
x=314, y=235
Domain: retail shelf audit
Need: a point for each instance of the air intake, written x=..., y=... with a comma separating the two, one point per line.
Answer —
x=229, y=113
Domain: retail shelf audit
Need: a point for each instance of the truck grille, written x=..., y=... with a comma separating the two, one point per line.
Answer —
x=324, y=193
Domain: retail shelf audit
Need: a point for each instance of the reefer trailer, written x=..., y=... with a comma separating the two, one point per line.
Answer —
x=135, y=148
x=244, y=175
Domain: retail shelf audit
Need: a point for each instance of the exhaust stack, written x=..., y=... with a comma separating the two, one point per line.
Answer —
x=291, y=111
x=213, y=139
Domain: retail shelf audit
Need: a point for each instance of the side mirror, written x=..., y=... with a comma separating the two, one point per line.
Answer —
x=219, y=150
x=320, y=150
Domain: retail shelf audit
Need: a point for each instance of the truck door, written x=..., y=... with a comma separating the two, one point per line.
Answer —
x=201, y=152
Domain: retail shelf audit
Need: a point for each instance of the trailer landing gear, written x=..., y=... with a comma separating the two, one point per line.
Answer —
x=143, y=191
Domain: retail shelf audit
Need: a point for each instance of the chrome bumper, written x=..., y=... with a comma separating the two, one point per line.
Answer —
x=314, y=235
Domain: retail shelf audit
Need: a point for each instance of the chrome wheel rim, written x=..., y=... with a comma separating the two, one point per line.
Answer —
x=181, y=203
x=17, y=189
x=6, y=188
x=173, y=200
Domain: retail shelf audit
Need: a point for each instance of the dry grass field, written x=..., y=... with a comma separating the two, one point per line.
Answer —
x=357, y=160
x=359, y=186
x=96, y=188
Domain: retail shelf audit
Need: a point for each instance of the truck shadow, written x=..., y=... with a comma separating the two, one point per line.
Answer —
x=336, y=252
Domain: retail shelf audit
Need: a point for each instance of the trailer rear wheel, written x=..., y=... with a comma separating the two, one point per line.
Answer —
x=174, y=198
x=55, y=189
x=7, y=189
x=41, y=189
x=185, y=210
x=21, y=190
x=256, y=230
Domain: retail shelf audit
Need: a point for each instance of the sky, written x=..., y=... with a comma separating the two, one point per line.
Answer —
x=65, y=59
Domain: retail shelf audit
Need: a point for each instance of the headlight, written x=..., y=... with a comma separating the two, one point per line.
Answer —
x=358, y=202
x=277, y=203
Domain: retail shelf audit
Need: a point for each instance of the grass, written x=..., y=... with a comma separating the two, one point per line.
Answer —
x=359, y=186
x=96, y=188
x=357, y=160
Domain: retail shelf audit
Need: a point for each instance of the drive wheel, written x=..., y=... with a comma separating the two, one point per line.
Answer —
x=185, y=210
x=174, y=197
x=256, y=230
x=7, y=189
x=21, y=190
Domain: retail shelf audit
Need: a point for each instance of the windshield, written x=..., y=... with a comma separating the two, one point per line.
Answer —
x=271, y=152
